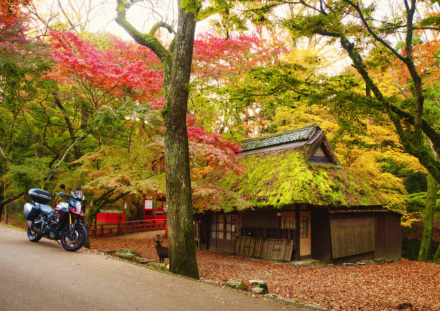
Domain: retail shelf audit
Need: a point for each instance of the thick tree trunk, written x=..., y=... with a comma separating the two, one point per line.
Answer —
x=177, y=68
x=181, y=243
x=428, y=219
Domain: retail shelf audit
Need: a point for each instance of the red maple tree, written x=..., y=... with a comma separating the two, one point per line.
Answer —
x=127, y=69
x=113, y=71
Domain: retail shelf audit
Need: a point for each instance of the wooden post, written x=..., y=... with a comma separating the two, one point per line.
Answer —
x=297, y=232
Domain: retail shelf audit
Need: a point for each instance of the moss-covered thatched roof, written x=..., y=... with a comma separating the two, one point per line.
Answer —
x=277, y=172
x=286, y=177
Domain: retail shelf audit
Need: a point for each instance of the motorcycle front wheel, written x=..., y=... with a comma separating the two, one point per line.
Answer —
x=33, y=236
x=73, y=241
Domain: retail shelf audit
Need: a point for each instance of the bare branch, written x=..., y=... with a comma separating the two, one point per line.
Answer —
x=3, y=155
x=68, y=149
x=375, y=36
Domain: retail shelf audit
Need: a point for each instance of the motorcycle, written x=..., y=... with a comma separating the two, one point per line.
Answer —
x=60, y=223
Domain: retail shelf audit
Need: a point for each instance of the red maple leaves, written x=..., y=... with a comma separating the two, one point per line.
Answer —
x=215, y=56
x=109, y=70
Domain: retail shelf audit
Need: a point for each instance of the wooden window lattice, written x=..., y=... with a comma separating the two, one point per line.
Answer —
x=289, y=222
x=222, y=226
x=304, y=228
x=319, y=156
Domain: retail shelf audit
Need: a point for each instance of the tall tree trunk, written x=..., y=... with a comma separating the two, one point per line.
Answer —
x=181, y=243
x=177, y=68
x=428, y=219
x=6, y=214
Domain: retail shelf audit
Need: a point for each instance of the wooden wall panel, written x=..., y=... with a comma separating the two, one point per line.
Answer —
x=272, y=249
x=352, y=236
x=388, y=237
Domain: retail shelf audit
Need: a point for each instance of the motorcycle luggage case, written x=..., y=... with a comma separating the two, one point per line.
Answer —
x=39, y=196
x=30, y=211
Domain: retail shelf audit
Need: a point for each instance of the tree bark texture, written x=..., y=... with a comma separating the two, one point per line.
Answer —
x=181, y=243
x=428, y=219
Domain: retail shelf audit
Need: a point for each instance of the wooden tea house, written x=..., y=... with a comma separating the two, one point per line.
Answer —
x=304, y=206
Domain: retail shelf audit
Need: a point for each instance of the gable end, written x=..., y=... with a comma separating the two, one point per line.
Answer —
x=320, y=156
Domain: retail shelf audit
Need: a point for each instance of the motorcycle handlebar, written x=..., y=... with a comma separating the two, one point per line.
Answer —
x=63, y=195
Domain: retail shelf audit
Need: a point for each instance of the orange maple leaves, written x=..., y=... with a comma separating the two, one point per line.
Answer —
x=10, y=10
x=426, y=60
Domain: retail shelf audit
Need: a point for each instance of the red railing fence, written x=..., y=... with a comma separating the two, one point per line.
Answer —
x=114, y=224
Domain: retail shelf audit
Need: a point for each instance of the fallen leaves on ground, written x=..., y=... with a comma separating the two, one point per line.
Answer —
x=409, y=284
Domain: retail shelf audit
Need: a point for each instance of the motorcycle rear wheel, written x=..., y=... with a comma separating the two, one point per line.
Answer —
x=73, y=241
x=33, y=236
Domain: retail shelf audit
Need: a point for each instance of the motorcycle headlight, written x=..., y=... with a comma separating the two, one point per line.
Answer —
x=78, y=206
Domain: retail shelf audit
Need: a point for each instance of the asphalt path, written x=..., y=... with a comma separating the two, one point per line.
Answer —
x=43, y=276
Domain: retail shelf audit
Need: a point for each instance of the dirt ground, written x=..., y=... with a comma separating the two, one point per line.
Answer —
x=404, y=285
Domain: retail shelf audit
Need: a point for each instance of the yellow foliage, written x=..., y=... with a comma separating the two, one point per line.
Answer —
x=385, y=81
x=288, y=118
x=367, y=161
x=318, y=56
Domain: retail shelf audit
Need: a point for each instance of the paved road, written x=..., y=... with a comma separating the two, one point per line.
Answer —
x=43, y=276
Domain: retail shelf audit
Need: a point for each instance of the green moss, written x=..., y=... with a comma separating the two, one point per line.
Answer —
x=282, y=178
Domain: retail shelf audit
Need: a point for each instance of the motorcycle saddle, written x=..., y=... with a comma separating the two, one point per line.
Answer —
x=45, y=209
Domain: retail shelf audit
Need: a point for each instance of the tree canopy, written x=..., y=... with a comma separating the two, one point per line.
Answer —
x=110, y=115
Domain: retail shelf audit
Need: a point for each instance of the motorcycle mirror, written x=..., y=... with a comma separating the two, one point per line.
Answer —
x=63, y=186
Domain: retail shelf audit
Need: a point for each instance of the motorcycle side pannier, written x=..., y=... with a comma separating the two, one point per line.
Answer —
x=39, y=196
x=30, y=211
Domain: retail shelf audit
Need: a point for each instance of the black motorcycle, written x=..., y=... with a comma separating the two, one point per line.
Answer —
x=60, y=223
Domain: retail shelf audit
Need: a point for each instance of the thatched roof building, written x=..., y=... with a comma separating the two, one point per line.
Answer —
x=297, y=166
x=305, y=205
